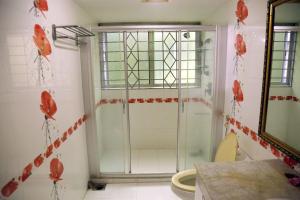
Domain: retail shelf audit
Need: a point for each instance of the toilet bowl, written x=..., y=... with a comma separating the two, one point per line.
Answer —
x=183, y=183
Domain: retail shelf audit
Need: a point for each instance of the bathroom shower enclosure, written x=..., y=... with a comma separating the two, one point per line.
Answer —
x=153, y=98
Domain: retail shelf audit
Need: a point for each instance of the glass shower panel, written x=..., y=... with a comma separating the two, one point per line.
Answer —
x=152, y=99
x=111, y=108
x=196, y=98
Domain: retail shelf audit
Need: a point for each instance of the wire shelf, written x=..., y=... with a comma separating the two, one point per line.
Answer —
x=72, y=32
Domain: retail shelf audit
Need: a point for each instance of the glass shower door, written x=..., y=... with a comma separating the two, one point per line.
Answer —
x=196, y=98
x=112, y=106
x=151, y=58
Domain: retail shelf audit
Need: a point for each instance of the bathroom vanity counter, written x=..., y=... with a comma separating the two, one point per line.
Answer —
x=245, y=180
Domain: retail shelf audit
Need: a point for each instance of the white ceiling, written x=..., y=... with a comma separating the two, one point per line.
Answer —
x=136, y=11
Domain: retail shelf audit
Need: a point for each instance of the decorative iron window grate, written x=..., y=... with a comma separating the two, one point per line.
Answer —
x=284, y=49
x=152, y=59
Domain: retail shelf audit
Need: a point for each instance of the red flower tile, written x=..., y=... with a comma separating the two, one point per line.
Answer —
x=150, y=100
x=140, y=100
x=57, y=143
x=158, y=100
x=103, y=101
x=263, y=143
x=131, y=100
x=275, y=151
x=238, y=125
x=253, y=135
x=26, y=172
x=38, y=161
x=75, y=126
x=273, y=97
x=70, y=130
x=289, y=161
x=79, y=121
x=295, y=99
x=49, y=151
x=64, y=137
x=280, y=98
x=84, y=118
x=113, y=101
x=289, y=98
x=168, y=100
x=9, y=188
x=246, y=130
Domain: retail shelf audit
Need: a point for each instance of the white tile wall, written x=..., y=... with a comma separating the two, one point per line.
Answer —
x=22, y=138
x=252, y=72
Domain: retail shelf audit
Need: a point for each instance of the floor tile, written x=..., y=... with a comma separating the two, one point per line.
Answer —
x=135, y=191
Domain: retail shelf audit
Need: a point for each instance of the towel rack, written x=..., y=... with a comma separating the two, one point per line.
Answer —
x=72, y=32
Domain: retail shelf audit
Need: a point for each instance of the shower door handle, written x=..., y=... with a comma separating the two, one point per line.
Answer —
x=124, y=106
x=182, y=106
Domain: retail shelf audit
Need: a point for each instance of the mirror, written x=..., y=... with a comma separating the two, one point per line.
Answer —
x=280, y=111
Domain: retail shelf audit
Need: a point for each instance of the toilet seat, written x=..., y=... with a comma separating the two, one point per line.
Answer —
x=227, y=149
x=177, y=178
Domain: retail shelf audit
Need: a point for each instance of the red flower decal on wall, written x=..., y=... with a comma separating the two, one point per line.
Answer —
x=41, y=41
x=241, y=12
x=237, y=92
x=56, y=169
x=240, y=45
x=41, y=5
x=48, y=105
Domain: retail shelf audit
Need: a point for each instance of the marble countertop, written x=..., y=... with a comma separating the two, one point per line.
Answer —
x=253, y=180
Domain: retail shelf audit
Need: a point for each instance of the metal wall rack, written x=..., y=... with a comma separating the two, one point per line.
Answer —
x=72, y=32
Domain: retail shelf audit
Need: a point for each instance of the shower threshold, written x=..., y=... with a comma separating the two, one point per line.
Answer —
x=133, y=178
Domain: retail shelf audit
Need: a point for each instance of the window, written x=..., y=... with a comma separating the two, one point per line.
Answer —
x=152, y=59
x=284, y=48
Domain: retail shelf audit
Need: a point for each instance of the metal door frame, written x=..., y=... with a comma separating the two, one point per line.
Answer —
x=124, y=29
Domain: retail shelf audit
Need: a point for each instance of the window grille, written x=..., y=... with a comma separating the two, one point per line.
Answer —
x=283, y=59
x=152, y=59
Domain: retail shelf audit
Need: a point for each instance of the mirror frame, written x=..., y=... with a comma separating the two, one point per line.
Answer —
x=280, y=145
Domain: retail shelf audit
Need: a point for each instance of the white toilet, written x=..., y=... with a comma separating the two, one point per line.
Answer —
x=183, y=183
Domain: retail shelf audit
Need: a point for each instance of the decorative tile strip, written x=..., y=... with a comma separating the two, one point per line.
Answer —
x=284, y=98
x=154, y=100
x=254, y=136
x=9, y=188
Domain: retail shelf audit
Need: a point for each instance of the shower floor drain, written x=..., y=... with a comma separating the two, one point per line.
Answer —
x=96, y=186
